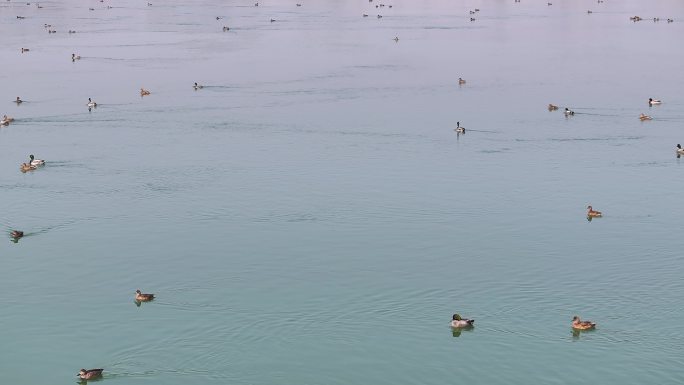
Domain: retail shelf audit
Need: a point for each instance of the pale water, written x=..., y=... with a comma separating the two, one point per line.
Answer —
x=311, y=217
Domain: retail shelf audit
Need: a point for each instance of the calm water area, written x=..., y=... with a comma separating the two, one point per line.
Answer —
x=311, y=217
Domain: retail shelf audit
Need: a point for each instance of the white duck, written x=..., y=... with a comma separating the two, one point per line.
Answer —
x=679, y=149
x=652, y=101
x=35, y=162
x=458, y=322
x=569, y=111
x=91, y=103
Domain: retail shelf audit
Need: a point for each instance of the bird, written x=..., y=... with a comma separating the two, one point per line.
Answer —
x=552, y=107
x=6, y=120
x=593, y=213
x=197, y=86
x=458, y=322
x=396, y=39
x=16, y=234
x=459, y=129
x=365, y=15
x=679, y=149
x=461, y=81
x=643, y=117
x=25, y=167
x=272, y=20
x=652, y=101
x=144, y=92
x=87, y=374
x=75, y=57
x=91, y=103
x=569, y=112
x=256, y=4
x=24, y=50
x=143, y=297
x=578, y=324
x=35, y=162
x=18, y=101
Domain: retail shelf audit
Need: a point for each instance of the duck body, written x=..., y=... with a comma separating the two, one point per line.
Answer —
x=88, y=374
x=652, y=101
x=643, y=117
x=461, y=81
x=458, y=322
x=91, y=103
x=578, y=324
x=25, y=167
x=552, y=107
x=679, y=150
x=144, y=92
x=16, y=234
x=36, y=162
x=139, y=296
x=593, y=213
x=569, y=112
x=197, y=86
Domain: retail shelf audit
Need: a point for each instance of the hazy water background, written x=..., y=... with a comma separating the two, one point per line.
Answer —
x=311, y=217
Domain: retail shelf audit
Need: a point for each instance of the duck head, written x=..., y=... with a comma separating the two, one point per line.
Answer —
x=456, y=317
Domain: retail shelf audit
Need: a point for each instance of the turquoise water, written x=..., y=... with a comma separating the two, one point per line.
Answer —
x=311, y=217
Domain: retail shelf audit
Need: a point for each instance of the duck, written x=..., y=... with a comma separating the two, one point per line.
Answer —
x=652, y=101
x=593, y=213
x=24, y=50
x=75, y=57
x=197, y=86
x=458, y=322
x=139, y=296
x=36, y=162
x=144, y=92
x=25, y=167
x=578, y=324
x=552, y=107
x=91, y=103
x=365, y=15
x=396, y=39
x=225, y=28
x=459, y=129
x=16, y=234
x=18, y=101
x=461, y=81
x=272, y=20
x=679, y=149
x=569, y=112
x=6, y=120
x=643, y=117
x=88, y=374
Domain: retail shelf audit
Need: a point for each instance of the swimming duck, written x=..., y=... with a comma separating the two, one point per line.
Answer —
x=91, y=103
x=75, y=57
x=18, y=101
x=568, y=112
x=652, y=101
x=365, y=15
x=25, y=167
x=643, y=117
x=143, y=297
x=35, y=162
x=461, y=81
x=16, y=234
x=458, y=322
x=88, y=374
x=578, y=324
x=225, y=28
x=593, y=213
x=396, y=39
x=197, y=86
x=679, y=149
x=552, y=107
x=144, y=92
x=272, y=20
x=459, y=129
x=6, y=120
x=24, y=50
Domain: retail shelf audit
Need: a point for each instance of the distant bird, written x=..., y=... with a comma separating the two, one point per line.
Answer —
x=6, y=120
x=679, y=149
x=549, y=4
x=143, y=297
x=197, y=86
x=459, y=129
x=24, y=50
x=256, y=4
x=365, y=15
x=26, y=167
x=458, y=322
x=552, y=107
x=578, y=324
x=18, y=101
x=21, y=17
x=144, y=92
x=396, y=39
x=35, y=162
x=89, y=374
x=379, y=16
x=91, y=103
x=225, y=28
x=272, y=20
x=568, y=112
x=219, y=17
x=589, y=11
x=461, y=81
x=652, y=101
x=299, y=5
x=16, y=234
x=643, y=117
x=75, y=57
x=593, y=213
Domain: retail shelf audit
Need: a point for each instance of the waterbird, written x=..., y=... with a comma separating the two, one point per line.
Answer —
x=578, y=324
x=593, y=213
x=35, y=162
x=139, y=296
x=552, y=107
x=88, y=374
x=91, y=103
x=643, y=117
x=461, y=81
x=16, y=234
x=568, y=112
x=25, y=167
x=18, y=101
x=144, y=92
x=75, y=57
x=197, y=86
x=396, y=39
x=652, y=101
x=679, y=149
x=458, y=322
x=24, y=50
